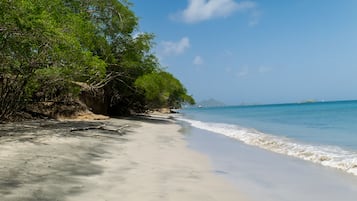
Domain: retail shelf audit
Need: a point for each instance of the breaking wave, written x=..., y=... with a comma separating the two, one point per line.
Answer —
x=330, y=156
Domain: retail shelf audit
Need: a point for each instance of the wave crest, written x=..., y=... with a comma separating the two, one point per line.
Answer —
x=330, y=156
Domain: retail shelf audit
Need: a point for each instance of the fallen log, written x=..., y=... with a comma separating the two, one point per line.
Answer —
x=100, y=127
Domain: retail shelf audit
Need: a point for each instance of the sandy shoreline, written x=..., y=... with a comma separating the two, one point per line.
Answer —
x=151, y=161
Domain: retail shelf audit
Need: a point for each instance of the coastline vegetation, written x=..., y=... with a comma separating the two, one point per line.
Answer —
x=61, y=50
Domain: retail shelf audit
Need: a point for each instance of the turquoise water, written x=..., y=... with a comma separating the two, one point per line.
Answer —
x=323, y=132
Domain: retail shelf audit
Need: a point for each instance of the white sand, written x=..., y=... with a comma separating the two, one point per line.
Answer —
x=155, y=164
x=45, y=161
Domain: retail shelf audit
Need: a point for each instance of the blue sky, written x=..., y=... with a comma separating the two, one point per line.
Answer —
x=262, y=51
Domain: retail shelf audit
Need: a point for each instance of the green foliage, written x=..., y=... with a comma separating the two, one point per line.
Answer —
x=43, y=41
x=162, y=89
x=47, y=46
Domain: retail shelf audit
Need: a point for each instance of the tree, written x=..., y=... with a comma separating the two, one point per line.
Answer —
x=49, y=49
x=162, y=89
x=40, y=46
x=123, y=53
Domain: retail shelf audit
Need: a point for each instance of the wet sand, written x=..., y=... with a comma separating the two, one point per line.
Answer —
x=268, y=176
x=144, y=160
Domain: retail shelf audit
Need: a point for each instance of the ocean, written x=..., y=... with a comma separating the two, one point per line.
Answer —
x=323, y=132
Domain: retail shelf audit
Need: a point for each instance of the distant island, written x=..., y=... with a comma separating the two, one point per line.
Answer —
x=309, y=101
x=210, y=103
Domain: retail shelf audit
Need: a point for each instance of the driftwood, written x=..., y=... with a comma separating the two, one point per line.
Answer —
x=100, y=127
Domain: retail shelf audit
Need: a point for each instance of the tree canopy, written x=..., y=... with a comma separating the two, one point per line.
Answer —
x=163, y=89
x=48, y=47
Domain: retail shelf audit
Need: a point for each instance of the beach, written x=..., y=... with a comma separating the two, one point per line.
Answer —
x=280, y=152
x=268, y=176
x=152, y=158
x=127, y=159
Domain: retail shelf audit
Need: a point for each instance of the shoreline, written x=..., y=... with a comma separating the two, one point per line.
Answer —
x=148, y=160
x=265, y=175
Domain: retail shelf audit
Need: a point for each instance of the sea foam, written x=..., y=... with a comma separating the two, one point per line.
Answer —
x=330, y=156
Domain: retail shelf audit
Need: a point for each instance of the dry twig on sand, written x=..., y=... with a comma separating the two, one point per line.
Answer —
x=100, y=127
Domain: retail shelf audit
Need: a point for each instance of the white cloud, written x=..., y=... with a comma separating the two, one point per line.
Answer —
x=228, y=69
x=198, y=60
x=242, y=72
x=228, y=53
x=254, y=18
x=201, y=10
x=264, y=69
x=137, y=34
x=175, y=48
